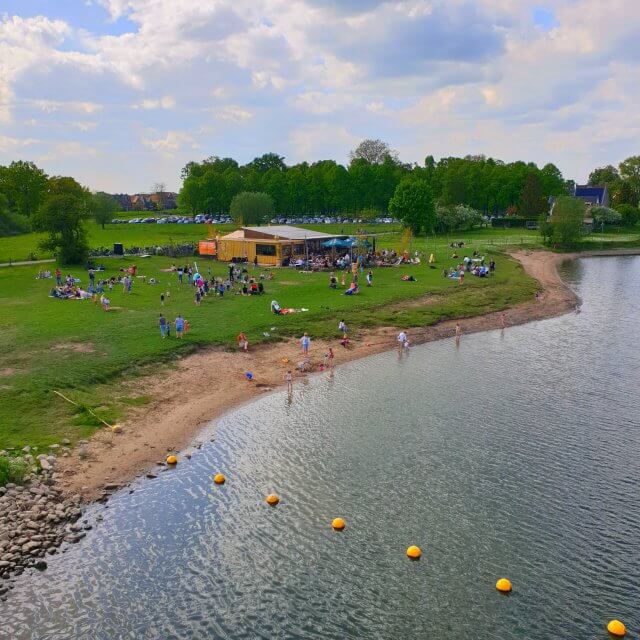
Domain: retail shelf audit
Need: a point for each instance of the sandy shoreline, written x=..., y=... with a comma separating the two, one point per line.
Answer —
x=209, y=383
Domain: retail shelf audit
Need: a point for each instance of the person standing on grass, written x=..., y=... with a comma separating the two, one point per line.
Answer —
x=370, y=278
x=343, y=328
x=242, y=341
x=162, y=323
x=92, y=277
x=305, y=341
x=180, y=274
x=179, y=327
x=58, y=277
x=162, y=299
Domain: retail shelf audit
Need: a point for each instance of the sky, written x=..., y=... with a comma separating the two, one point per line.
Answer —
x=121, y=94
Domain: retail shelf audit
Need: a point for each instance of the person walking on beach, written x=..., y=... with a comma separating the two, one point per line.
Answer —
x=305, y=341
x=179, y=327
x=458, y=331
x=330, y=358
x=503, y=320
x=403, y=340
x=162, y=323
x=288, y=377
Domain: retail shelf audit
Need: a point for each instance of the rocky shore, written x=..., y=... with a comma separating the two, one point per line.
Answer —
x=36, y=520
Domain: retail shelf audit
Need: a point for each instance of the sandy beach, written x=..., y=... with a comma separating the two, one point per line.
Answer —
x=207, y=384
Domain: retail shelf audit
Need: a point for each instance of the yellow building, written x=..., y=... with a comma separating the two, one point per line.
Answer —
x=272, y=245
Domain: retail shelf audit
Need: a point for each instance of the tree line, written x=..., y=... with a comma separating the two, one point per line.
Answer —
x=368, y=183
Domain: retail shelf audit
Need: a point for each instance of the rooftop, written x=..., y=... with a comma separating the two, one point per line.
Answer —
x=282, y=231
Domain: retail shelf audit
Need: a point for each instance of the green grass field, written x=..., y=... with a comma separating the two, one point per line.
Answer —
x=94, y=357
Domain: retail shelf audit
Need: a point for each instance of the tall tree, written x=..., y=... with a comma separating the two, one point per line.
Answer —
x=567, y=219
x=604, y=176
x=630, y=172
x=61, y=216
x=373, y=151
x=102, y=207
x=268, y=161
x=159, y=189
x=412, y=203
x=24, y=186
x=249, y=208
x=532, y=203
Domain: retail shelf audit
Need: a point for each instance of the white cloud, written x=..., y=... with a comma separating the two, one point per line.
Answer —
x=51, y=106
x=232, y=113
x=172, y=142
x=168, y=102
x=9, y=144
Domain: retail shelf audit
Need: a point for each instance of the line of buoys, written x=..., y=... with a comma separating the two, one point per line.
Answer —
x=504, y=585
x=338, y=524
x=172, y=459
x=414, y=552
x=616, y=628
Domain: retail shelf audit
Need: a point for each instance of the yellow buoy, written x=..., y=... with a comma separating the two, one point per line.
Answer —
x=414, y=552
x=273, y=499
x=503, y=585
x=616, y=628
x=219, y=478
x=338, y=524
x=172, y=460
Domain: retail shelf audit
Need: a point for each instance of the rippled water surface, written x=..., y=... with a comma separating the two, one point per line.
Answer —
x=517, y=454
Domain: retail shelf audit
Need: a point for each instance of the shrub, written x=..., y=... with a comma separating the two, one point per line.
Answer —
x=12, y=470
x=605, y=215
x=630, y=214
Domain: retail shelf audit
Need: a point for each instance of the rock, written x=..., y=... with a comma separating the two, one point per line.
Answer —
x=65, y=441
x=45, y=464
x=41, y=565
x=54, y=446
x=151, y=476
x=26, y=449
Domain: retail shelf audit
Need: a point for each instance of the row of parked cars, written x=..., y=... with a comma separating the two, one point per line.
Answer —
x=208, y=219
x=199, y=219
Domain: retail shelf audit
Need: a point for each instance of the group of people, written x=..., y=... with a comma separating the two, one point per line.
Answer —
x=474, y=266
x=181, y=326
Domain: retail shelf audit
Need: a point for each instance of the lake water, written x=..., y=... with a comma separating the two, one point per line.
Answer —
x=517, y=454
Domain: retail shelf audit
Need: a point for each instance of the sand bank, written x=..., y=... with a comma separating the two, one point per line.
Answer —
x=209, y=383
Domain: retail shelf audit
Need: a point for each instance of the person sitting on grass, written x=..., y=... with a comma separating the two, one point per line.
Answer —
x=333, y=281
x=352, y=290
x=408, y=278
x=275, y=307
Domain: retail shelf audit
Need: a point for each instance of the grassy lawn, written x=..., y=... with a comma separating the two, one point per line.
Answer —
x=94, y=357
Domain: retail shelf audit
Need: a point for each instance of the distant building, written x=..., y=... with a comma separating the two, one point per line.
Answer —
x=146, y=201
x=593, y=196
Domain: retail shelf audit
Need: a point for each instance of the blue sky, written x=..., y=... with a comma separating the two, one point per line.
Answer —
x=122, y=93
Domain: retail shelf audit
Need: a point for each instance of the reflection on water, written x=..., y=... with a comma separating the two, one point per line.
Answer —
x=517, y=454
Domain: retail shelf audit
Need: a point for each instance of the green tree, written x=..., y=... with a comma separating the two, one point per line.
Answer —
x=24, y=185
x=630, y=215
x=412, y=203
x=532, y=202
x=630, y=172
x=268, y=161
x=250, y=207
x=622, y=193
x=102, y=207
x=567, y=219
x=604, y=176
x=61, y=216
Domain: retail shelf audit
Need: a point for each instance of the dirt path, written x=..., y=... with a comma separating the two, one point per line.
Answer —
x=207, y=384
